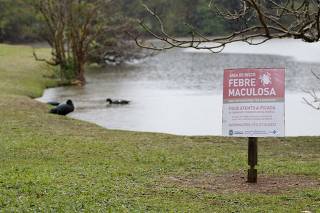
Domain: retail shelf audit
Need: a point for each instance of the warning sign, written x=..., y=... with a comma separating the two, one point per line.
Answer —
x=254, y=102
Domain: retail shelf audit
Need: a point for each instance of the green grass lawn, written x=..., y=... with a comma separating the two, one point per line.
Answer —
x=52, y=163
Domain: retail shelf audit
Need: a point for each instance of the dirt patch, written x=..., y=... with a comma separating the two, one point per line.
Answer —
x=236, y=182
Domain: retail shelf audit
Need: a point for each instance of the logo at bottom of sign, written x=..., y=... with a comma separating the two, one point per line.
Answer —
x=252, y=132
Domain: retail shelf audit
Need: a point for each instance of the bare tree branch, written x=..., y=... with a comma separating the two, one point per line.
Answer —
x=261, y=20
x=52, y=63
x=280, y=20
x=310, y=104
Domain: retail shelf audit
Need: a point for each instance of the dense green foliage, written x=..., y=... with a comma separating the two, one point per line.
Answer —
x=19, y=22
x=180, y=16
x=57, y=164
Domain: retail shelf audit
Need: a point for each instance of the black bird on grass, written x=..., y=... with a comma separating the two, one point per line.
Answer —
x=63, y=109
x=110, y=101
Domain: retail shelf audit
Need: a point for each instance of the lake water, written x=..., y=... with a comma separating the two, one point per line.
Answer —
x=180, y=91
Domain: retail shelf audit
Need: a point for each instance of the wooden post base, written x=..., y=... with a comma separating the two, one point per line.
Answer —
x=252, y=176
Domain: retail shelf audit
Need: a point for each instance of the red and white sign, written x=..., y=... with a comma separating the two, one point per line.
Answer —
x=253, y=102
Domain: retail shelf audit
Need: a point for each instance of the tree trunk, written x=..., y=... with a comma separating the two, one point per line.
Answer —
x=80, y=73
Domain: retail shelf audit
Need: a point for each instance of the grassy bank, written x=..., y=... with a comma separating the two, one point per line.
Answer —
x=54, y=163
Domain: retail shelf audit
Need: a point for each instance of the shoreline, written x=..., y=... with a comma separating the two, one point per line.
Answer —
x=201, y=121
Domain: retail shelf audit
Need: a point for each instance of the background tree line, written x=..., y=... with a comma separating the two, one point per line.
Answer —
x=20, y=22
x=86, y=31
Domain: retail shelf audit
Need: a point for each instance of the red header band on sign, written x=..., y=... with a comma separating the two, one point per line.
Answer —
x=240, y=84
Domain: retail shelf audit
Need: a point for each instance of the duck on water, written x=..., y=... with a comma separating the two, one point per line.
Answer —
x=110, y=101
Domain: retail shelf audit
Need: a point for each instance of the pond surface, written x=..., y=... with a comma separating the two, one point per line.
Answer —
x=180, y=91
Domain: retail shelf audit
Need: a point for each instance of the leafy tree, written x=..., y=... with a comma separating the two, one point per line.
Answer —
x=79, y=31
x=206, y=21
x=20, y=22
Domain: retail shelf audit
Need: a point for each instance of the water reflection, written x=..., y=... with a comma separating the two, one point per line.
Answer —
x=179, y=92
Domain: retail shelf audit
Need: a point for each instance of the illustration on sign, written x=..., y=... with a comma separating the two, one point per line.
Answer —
x=254, y=102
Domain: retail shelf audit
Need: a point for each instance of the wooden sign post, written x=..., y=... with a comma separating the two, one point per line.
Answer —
x=252, y=159
x=253, y=106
